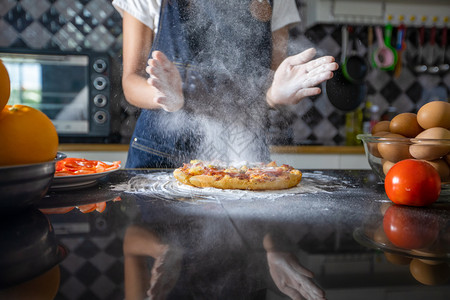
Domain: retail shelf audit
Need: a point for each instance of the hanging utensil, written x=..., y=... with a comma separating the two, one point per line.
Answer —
x=342, y=93
x=434, y=68
x=400, y=46
x=421, y=67
x=370, y=44
x=384, y=57
x=354, y=66
x=443, y=66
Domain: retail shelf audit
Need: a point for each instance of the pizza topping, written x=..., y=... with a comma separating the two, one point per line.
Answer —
x=258, y=171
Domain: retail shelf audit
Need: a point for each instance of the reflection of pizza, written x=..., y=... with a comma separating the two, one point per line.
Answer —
x=244, y=177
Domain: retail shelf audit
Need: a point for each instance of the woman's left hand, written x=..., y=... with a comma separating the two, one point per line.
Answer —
x=297, y=77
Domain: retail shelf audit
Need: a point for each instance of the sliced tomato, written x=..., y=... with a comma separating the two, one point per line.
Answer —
x=87, y=208
x=57, y=210
x=100, y=207
x=81, y=166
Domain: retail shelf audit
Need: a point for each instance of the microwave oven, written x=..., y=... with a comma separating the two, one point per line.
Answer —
x=71, y=88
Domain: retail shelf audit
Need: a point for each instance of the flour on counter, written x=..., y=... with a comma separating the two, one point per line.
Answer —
x=163, y=185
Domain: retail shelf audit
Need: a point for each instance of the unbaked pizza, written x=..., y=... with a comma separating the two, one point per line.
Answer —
x=243, y=176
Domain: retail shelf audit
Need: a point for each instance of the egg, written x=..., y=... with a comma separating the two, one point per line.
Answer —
x=380, y=126
x=405, y=124
x=397, y=259
x=442, y=168
x=387, y=165
x=372, y=147
x=434, y=114
x=394, y=152
x=430, y=150
x=447, y=158
x=429, y=274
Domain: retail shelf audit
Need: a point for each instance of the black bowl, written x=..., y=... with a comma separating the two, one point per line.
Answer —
x=29, y=247
x=23, y=185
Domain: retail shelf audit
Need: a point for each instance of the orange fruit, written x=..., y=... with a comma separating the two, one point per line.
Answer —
x=5, y=85
x=42, y=287
x=27, y=136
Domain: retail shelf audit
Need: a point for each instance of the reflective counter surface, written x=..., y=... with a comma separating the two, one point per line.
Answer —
x=136, y=233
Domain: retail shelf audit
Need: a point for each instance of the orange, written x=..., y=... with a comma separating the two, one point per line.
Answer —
x=42, y=287
x=5, y=85
x=27, y=136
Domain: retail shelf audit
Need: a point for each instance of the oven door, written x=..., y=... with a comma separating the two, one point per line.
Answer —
x=72, y=89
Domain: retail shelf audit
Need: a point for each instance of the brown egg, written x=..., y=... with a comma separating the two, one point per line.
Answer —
x=442, y=167
x=392, y=150
x=379, y=236
x=447, y=158
x=434, y=114
x=380, y=126
x=397, y=259
x=432, y=257
x=380, y=133
x=430, y=150
x=373, y=146
x=429, y=274
x=405, y=124
x=387, y=165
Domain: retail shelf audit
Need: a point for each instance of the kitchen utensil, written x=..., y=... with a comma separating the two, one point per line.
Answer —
x=385, y=56
x=443, y=66
x=433, y=68
x=343, y=94
x=354, y=67
x=29, y=247
x=421, y=67
x=401, y=45
x=370, y=44
x=23, y=185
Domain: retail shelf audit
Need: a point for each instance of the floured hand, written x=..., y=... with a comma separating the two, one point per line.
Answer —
x=166, y=79
x=165, y=273
x=291, y=278
x=297, y=77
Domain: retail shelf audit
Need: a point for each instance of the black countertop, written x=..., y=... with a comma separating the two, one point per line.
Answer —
x=213, y=244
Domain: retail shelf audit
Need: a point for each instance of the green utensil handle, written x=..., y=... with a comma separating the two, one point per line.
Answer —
x=388, y=34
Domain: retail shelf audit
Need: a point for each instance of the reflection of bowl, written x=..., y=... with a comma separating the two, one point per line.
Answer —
x=29, y=247
x=383, y=152
x=22, y=185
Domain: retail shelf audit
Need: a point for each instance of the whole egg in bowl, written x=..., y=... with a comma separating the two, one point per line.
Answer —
x=423, y=136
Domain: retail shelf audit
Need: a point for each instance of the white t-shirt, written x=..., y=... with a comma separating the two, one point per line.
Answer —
x=147, y=11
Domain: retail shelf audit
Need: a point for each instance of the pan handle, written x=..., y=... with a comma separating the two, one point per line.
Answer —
x=344, y=36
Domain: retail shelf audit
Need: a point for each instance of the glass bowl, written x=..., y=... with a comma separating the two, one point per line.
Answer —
x=383, y=152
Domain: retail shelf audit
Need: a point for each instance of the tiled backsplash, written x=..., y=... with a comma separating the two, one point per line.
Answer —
x=70, y=25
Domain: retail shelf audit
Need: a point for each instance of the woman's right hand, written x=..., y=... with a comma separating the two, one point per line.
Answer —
x=166, y=79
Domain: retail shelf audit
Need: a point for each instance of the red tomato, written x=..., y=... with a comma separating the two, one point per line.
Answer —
x=410, y=227
x=412, y=182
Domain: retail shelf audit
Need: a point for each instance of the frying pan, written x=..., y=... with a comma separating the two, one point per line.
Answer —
x=354, y=67
x=344, y=94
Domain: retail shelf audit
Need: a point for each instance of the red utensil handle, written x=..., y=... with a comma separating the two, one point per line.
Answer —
x=433, y=36
x=444, y=37
x=422, y=35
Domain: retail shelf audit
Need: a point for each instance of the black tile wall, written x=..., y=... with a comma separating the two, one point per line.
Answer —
x=70, y=25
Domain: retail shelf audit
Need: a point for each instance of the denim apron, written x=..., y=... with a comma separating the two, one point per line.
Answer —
x=223, y=55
